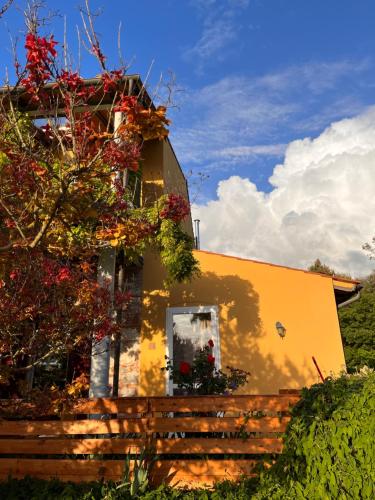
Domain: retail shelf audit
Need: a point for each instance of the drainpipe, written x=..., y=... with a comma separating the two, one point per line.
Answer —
x=352, y=299
x=197, y=235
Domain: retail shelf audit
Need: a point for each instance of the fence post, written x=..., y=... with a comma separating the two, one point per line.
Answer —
x=149, y=451
x=149, y=416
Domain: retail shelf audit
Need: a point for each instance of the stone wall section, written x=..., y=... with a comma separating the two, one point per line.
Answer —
x=130, y=337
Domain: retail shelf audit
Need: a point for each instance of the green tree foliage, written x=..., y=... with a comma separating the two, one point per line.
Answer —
x=357, y=322
x=319, y=267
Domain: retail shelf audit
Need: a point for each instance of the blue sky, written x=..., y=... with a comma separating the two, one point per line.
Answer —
x=256, y=75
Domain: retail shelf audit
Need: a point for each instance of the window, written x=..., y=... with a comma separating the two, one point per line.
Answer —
x=188, y=330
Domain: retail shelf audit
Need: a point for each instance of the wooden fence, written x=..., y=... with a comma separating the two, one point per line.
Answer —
x=197, y=440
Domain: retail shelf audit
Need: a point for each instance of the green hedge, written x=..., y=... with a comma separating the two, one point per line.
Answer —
x=329, y=453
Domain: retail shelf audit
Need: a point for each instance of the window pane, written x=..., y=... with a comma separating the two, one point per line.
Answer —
x=191, y=332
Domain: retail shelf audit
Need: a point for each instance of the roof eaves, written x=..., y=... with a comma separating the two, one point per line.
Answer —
x=332, y=277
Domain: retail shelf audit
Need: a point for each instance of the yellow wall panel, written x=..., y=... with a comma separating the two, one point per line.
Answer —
x=251, y=297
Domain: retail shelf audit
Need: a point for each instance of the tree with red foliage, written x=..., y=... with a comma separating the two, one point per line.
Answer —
x=63, y=200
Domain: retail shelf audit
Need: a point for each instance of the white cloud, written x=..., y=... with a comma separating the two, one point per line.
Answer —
x=322, y=205
x=315, y=77
x=216, y=35
x=246, y=152
x=221, y=26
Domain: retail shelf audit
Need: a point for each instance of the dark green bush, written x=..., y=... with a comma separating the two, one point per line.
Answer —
x=329, y=450
x=38, y=489
x=35, y=489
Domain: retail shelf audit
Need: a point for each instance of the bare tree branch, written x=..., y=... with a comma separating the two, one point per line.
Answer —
x=5, y=7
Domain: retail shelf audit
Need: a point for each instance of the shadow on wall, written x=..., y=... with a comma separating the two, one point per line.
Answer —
x=242, y=336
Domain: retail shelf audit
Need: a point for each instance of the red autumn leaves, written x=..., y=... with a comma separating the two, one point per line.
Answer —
x=111, y=79
x=176, y=208
x=40, y=54
x=48, y=302
x=62, y=200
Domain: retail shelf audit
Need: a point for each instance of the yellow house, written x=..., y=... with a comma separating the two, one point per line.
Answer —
x=240, y=304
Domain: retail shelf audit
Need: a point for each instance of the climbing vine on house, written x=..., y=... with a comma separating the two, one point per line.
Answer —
x=63, y=200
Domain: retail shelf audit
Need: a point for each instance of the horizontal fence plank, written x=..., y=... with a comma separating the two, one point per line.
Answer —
x=215, y=446
x=111, y=405
x=139, y=405
x=66, y=470
x=176, y=473
x=83, y=406
x=123, y=446
x=215, y=424
x=195, y=473
x=71, y=446
x=141, y=425
x=185, y=404
x=61, y=427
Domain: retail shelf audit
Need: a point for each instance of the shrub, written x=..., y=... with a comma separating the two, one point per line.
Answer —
x=202, y=377
x=36, y=489
x=328, y=451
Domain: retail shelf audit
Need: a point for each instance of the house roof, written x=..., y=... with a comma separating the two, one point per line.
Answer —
x=344, y=288
x=131, y=84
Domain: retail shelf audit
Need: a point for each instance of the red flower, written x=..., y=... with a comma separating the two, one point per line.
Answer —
x=14, y=274
x=184, y=368
x=211, y=359
x=210, y=343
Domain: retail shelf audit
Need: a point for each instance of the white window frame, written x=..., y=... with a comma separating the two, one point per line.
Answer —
x=169, y=330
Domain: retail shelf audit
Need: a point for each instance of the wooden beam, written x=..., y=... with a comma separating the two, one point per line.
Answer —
x=105, y=446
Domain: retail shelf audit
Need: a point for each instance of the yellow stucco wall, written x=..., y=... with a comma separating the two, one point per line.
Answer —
x=251, y=297
x=152, y=171
x=162, y=174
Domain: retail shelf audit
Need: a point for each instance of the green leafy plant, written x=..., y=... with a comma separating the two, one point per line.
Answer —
x=328, y=450
x=136, y=479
